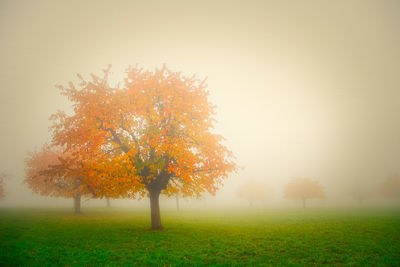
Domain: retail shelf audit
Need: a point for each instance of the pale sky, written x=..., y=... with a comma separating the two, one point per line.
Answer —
x=302, y=88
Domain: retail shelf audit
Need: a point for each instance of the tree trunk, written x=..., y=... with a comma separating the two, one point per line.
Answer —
x=177, y=202
x=155, y=210
x=304, y=203
x=108, y=202
x=77, y=204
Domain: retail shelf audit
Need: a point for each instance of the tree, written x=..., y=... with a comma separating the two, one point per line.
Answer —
x=177, y=202
x=390, y=188
x=359, y=191
x=53, y=172
x=303, y=188
x=252, y=191
x=176, y=193
x=146, y=137
x=2, y=177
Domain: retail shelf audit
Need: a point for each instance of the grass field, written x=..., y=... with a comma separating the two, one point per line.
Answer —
x=249, y=238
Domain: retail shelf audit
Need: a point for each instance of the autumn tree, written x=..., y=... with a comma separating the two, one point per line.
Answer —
x=303, y=188
x=2, y=178
x=53, y=172
x=145, y=137
x=252, y=191
x=390, y=188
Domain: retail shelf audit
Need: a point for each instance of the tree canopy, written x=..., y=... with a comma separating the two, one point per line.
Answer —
x=303, y=188
x=152, y=135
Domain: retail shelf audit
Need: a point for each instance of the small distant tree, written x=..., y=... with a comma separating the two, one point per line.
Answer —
x=303, y=188
x=53, y=172
x=252, y=191
x=177, y=202
x=359, y=192
x=177, y=192
x=358, y=195
x=390, y=188
x=2, y=177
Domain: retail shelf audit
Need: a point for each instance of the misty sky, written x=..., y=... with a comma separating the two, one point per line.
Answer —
x=302, y=88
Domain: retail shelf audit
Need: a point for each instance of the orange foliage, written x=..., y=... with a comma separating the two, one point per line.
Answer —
x=153, y=134
x=391, y=187
x=52, y=172
x=303, y=188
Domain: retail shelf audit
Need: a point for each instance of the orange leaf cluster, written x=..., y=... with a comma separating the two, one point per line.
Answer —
x=153, y=134
x=54, y=172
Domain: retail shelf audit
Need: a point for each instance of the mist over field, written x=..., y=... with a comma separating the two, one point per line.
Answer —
x=302, y=89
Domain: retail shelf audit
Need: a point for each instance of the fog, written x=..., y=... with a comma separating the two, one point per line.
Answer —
x=302, y=88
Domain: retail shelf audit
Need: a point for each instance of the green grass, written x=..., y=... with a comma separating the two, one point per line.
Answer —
x=118, y=237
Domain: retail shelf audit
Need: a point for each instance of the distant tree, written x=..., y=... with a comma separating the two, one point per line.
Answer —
x=177, y=202
x=390, y=188
x=176, y=192
x=2, y=178
x=359, y=192
x=252, y=191
x=303, y=188
x=53, y=172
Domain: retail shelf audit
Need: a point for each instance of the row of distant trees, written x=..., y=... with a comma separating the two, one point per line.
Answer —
x=304, y=189
x=252, y=191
